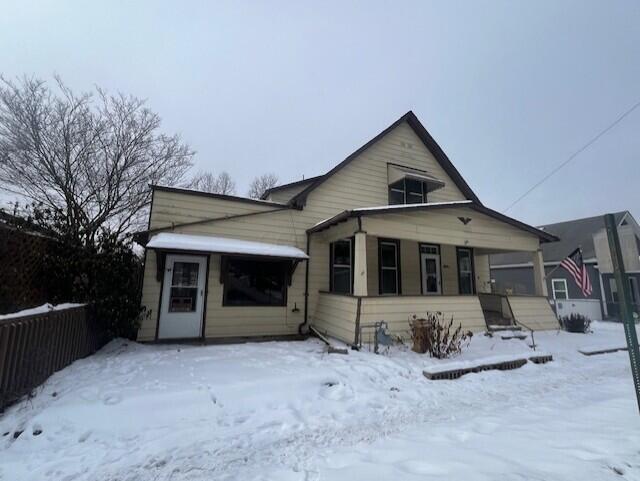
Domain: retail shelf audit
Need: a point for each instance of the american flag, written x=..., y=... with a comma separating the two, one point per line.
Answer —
x=574, y=264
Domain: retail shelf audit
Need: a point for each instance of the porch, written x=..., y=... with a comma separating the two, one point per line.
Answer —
x=391, y=264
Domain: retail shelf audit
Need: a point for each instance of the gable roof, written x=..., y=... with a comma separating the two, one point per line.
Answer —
x=278, y=188
x=299, y=199
x=572, y=233
x=392, y=209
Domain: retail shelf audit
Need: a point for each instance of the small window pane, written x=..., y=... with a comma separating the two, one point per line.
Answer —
x=342, y=280
x=414, y=198
x=388, y=255
x=413, y=186
x=559, y=289
x=342, y=253
x=183, y=299
x=399, y=185
x=185, y=274
x=427, y=249
x=389, y=281
x=396, y=197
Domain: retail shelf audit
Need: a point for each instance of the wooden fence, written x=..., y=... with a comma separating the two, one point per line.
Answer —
x=34, y=347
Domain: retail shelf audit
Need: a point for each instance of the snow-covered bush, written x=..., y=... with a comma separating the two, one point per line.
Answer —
x=575, y=323
x=434, y=335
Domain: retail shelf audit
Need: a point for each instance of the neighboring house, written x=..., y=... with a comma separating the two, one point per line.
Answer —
x=513, y=273
x=393, y=230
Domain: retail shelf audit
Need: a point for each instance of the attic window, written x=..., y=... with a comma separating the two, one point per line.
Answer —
x=407, y=191
x=410, y=186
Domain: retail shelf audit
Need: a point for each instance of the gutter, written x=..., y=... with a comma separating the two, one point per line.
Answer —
x=306, y=288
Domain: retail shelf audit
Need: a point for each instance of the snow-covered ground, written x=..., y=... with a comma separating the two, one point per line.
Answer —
x=289, y=411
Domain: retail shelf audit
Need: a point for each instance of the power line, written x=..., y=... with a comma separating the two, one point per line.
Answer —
x=575, y=154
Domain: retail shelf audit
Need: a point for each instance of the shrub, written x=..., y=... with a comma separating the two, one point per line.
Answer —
x=434, y=335
x=103, y=271
x=575, y=323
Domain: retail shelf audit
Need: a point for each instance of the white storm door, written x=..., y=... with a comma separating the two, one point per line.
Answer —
x=430, y=273
x=182, y=297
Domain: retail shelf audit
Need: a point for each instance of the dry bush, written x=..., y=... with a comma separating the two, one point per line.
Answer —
x=434, y=335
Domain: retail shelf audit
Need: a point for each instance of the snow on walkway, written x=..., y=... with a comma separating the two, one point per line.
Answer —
x=289, y=411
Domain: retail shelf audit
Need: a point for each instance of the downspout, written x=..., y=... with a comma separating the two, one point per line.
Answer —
x=306, y=288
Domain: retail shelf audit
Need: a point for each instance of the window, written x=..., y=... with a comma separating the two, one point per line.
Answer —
x=341, y=262
x=559, y=288
x=184, y=287
x=465, y=270
x=407, y=191
x=389, y=261
x=251, y=282
x=614, y=289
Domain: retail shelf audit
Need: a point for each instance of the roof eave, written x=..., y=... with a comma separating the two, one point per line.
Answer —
x=299, y=200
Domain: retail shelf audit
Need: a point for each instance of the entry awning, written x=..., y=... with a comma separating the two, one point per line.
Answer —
x=397, y=172
x=222, y=245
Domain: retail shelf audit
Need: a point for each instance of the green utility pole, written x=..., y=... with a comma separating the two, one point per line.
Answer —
x=624, y=296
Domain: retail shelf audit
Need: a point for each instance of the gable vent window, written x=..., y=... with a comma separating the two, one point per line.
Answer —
x=407, y=191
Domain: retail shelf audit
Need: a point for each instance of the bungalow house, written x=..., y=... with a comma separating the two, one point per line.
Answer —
x=512, y=272
x=391, y=231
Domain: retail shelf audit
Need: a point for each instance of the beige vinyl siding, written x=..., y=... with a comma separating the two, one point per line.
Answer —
x=442, y=226
x=233, y=321
x=150, y=298
x=533, y=311
x=335, y=316
x=410, y=267
x=483, y=273
x=362, y=183
x=449, y=264
x=284, y=195
x=278, y=227
x=628, y=244
x=397, y=311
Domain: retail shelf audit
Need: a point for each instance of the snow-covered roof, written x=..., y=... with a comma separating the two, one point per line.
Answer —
x=222, y=245
x=452, y=203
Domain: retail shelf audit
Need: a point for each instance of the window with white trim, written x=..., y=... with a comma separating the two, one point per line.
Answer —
x=559, y=287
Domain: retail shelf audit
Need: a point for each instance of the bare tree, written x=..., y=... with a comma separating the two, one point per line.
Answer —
x=89, y=156
x=216, y=184
x=261, y=184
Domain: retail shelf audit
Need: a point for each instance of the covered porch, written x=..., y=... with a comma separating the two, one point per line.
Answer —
x=389, y=263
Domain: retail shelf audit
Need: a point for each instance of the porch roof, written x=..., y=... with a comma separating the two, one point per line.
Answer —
x=222, y=245
x=393, y=209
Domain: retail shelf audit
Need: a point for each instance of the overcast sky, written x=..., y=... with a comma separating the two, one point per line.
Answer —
x=508, y=89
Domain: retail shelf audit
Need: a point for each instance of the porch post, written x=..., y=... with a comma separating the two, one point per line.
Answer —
x=360, y=265
x=539, y=281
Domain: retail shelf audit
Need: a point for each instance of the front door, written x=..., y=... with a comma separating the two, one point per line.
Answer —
x=430, y=263
x=182, y=297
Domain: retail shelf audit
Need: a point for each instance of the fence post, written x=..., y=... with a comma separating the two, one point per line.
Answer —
x=624, y=296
